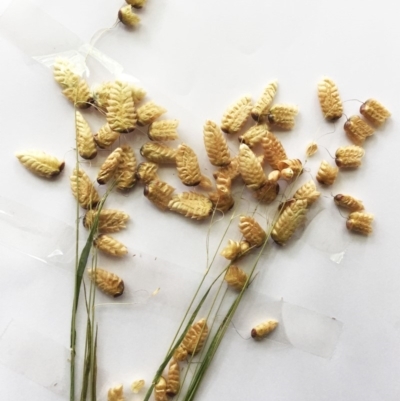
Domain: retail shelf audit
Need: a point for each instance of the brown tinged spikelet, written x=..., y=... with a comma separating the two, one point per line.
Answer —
x=127, y=16
x=360, y=222
x=326, y=174
x=192, y=205
x=187, y=165
x=159, y=193
x=195, y=337
x=173, y=379
x=262, y=329
x=374, y=112
x=109, y=166
x=252, y=231
x=235, y=277
x=116, y=394
x=289, y=220
x=40, y=163
x=158, y=153
x=149, y=112
x=307, y=192
x=136, y=3
x=254, y=135
x=294, y=164
x=273, y=150
x=250, y=168
x=163, y=130
x=110, y=220
x=84, y=138
x=349, y=156
x=146, y=172
x=105, y=137
x=357, y=129
x=267, y=193
x=263, y=104
x=83, y=190
x=107, y=282
x=236, y=115
x=126, y=170
x=311, y=149
x=215, y=144
x=110, y=245
x=329, y=99
x=282, y=115
x=230, y=171
x=235, y=249
x=348, y=202
x=160, y=389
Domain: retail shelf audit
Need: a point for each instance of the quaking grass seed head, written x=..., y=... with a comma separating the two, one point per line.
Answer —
x=116, y=393
x=374, y=112
x=348, y=202
x=128, y=17
x=40, y=163
x=263, y=329
x=107, y=282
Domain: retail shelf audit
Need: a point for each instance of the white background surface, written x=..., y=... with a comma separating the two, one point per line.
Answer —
x=195, y=58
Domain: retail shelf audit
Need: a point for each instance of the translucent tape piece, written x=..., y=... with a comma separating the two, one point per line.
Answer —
x=36, y=235
x=35, y=356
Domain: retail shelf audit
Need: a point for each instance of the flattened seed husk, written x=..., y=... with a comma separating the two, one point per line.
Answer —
x=109, y=166
x=215, y=144
x=349, y=156
x=307, y=192
x=173, y=379
x=163, y=130
x=188, y=166
x=116, y=394
x=159, y=193
x=250, y=168
x=264, y=102
x=107, y=282
x=149, y=112
x=357, y=129
x=236, y=116
x=40, y=163
x=84, y=138
x=326, y=174
x=160, y=390
x=126, y=171
x=273, y=150
x=360, y=222
x=235, y=249
x=83, y=189
x=235, y=277
x=312, y=148
x=105, y=137
x=262, y=329
x=282, y=115
x=158, y=153
x=146, y=172
x=252, y=231
x=110, y=220
x=110, y=245
x=254, y=135
x=267, y=193
x=137, y=385
x=127, y=16
x=222, y=199
x=294, y=164
x=349, y=202
x=195, y=337
x=374, y=112
x=329, y=99
x=192, y=205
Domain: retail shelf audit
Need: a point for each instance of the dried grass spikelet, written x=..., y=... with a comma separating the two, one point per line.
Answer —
x=160, y=390
x=137, y=386
x=329, y=99
x=83, y=190
x=236, y=115
x=254, y=135
x=127, y=16
x=294, y=164
x=163, y=130
x=349, y=156
x=109, y=166
x=235, y=277
x=84, y=138
x=192, y=205
x=235, y=249
x=180, y=354
x=348, y=202
x=262, y=329
x=136, y=3
x=126, y=170
x=360, y=222
x=116, y=394
x=105, y=137
x=263, y=104
x=173, y=379
x=147, y=172
x=187, y=165
x=230, y=171
x=273, y=150
x=307, y=192
x=107, y=282
x=267, y=193
x=326, y=174
x=311, y=149
x=374, y=112
x=149, y=112
x=357, y=129
x=252, y=231
x=215, y=144
x=287, y=174
x=110, y=245
x=250, y=168
x=222, y=198
x=40, y=163
x=282, y=115
x=79, y=95
x=158, y=153
x=289, y=220
x=159, y=193
x=195, y=337
x=110, y=220
x=121, y=114
x=274, y=175
x=205, y=183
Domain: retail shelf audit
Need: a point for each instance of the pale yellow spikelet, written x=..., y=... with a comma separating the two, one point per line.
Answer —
x=252, y=231
x=222, y=198
x=187, y=165
x=64, y=73
x=263, y=104
x=294, y=164
x=79, y=94
x=360, y=222
x=147, y=172
x=101, y=94
x=254, y=135
x=235, y=249
x=158, y=153
x=126, y=170
x=180, y=354
x=235, y=277
x=110, y=220
x=289, y=220
x=84, y=138
x=205, y=183
x=137, y=92
x=282, y=115
x=136, y=3
x=160, y=390
x=127, y=16
x=110, y=245
x=374, y=112
x=348, y=202
x=163, y=130
x=311, y=149
x=215, y=144
x=230, y=171
x=40, y=163
x=159, y=193
x=262, y=329
x=192, y=205
x=223, y=183
x=116, y=394
x=267, y=193
x=149, y=112
x=357, y=129
x=83, y=190
x=195, y=337
x=173, y=379
x=137, y=386
x=121, y=114
x=307, y=192
x=105, y=136
x=329, y=99
x=109, y=166
x=107, y=282
x=236, y=115
x=326, y=174
x=349, y=156
x=274, y=175
x=250, y=168
x=273, y=150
